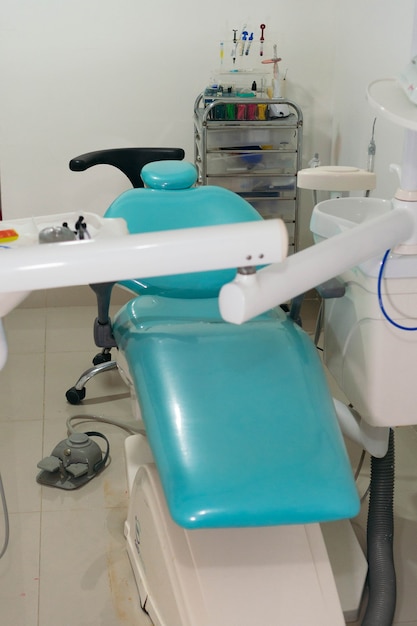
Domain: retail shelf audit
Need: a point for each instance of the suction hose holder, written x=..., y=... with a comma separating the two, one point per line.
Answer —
x=74, y=461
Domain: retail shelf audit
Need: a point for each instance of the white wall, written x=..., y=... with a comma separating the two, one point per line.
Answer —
x=373, y=41
x=81, y=75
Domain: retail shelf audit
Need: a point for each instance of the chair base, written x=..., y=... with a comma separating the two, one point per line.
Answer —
x=76, y=394
x=245, y=576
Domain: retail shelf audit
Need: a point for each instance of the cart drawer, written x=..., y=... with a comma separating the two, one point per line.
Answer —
x=278, y=138
x=253, y=160
x=257, y=186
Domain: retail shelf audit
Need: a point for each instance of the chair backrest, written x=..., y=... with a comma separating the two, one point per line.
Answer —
x=170, y=202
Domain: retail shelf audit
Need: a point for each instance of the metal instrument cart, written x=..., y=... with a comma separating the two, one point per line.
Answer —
x=240, y=147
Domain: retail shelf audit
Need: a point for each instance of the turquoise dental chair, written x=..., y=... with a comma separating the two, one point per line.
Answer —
x=239, y=419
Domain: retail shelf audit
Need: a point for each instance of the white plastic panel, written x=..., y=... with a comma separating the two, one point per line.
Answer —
x=227, y=576
x=372, y=361
x=157, y=254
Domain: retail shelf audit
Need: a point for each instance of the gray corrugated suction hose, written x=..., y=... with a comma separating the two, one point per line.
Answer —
x=380, y=535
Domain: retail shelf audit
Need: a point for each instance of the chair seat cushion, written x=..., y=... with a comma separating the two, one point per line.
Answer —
x=239, y=418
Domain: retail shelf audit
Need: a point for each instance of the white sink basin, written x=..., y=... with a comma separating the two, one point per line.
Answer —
x=336, y=216
x=331, y=217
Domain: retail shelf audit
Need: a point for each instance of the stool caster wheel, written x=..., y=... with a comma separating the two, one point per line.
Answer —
x=102, y=357
x=74, y=395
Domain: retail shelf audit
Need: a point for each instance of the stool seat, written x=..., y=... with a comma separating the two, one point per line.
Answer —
x=239, y=419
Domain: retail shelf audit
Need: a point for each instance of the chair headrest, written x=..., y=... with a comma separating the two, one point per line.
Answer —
x=169, y=175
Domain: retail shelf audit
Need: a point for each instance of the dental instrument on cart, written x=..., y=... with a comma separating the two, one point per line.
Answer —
x=248, y=45
x=276, y=110
x=262, y=40
x=234, y=48
x=242, y=41
x=221, y=52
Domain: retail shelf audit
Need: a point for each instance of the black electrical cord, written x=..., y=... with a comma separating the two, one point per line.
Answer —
x=382, y=595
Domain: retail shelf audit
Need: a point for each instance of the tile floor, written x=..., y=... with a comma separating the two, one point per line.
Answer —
x=66, y=563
